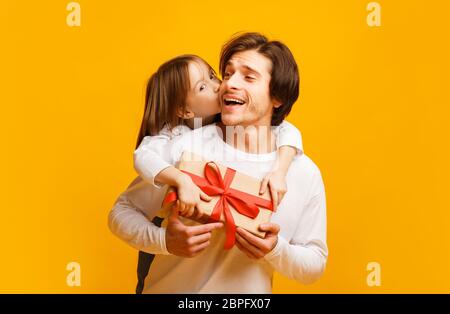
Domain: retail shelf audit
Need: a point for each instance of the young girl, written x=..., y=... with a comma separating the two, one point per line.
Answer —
x=182, y=89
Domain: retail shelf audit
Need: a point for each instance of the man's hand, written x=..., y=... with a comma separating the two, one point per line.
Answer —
x=255, y=247
x=187, y=241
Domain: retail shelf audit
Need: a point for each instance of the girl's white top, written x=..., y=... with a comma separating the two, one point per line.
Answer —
x=149, y=163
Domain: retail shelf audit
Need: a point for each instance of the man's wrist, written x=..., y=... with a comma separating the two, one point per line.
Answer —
x=163, y=242
x=276, y=249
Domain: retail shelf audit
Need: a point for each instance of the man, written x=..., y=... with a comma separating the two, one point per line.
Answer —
x=260, y=85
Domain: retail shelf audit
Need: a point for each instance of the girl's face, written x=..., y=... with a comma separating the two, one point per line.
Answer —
x=203, y=97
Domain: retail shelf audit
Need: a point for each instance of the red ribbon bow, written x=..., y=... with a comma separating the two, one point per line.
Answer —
x=213, y=185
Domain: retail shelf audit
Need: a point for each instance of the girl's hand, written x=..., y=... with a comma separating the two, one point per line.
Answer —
x=276, y=181
x=189, y=196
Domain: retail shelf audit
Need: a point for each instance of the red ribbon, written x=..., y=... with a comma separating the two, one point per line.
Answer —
x=213, y=185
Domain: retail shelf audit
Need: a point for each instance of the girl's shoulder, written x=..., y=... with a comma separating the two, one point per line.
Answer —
x=180, y=130
x=174, y=132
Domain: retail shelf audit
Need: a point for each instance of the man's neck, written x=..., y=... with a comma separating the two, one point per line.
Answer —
x=195, y=123
x=253, y=139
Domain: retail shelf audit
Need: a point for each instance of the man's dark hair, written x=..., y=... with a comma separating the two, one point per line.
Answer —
x=285, y=79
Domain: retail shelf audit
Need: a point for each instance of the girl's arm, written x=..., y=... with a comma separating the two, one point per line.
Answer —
x=150, y=158
x=289, y=145
x=152, y=162
x=289, y=135
x=189, y=194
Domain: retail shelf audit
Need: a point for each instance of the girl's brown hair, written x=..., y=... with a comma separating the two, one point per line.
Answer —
x=166, y=95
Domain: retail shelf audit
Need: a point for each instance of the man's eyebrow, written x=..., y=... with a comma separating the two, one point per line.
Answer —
x=251, y=70
x=247, y=67
x=229, y=63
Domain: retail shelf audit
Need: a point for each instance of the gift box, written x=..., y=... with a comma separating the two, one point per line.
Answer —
x=235, y=196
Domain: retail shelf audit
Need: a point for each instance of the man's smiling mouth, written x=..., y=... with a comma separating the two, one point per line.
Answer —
x=229, y=100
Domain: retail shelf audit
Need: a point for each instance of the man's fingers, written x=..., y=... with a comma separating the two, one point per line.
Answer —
x=199, y=239
x=195, y=230
x=244, y=250
x=198, y=248
x=253, y=250
x=250, y=238
x=263, y=186
x=270, y=227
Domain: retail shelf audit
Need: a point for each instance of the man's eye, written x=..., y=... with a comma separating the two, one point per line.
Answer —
x=226, y=75
x=202, y=87
x=250, y=77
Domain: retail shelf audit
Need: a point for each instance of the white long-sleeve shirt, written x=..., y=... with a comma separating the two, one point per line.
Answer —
x=148, y=161
x=301, y=250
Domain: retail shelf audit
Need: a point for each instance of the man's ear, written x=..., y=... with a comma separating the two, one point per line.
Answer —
x=185, y=114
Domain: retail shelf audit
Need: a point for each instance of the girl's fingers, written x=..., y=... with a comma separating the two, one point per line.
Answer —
x=190, y=211
x=182, y=207
x=274, y=195
x=263, y=186
x=280, y=197
x=205, y=197
x=174, y=214
x=199, y=213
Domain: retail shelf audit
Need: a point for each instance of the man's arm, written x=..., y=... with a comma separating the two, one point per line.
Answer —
x=127, y=221
x=132, y=226
x=303, y=258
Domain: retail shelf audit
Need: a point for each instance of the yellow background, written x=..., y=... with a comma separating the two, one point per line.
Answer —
x=374, y=113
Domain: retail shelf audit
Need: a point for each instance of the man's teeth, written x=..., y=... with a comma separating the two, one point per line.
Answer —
x=232, y=101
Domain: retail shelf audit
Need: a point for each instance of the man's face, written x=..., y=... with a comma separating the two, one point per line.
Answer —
x=244, y=94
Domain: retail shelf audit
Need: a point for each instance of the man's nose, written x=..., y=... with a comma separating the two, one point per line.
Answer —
x=232, y=82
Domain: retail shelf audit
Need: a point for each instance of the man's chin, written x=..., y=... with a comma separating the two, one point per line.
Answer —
x=230, y=120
